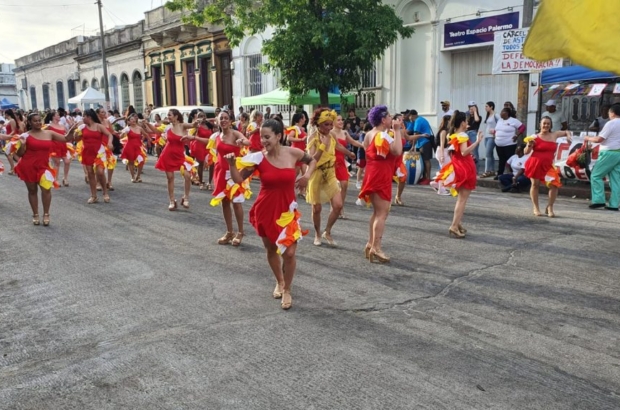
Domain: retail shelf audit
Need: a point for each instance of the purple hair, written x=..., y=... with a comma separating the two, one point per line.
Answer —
x=376, y=114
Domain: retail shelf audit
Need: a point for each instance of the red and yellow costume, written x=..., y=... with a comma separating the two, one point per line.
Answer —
x=460, y=172
x=540, y=164
x=225, y=187
x=34, y=166
x=380, y=164
x=133, y=149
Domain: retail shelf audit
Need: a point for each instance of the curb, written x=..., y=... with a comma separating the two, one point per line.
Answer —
x=573, y=189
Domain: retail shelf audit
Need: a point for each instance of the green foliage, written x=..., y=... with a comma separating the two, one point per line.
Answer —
x=316, y=43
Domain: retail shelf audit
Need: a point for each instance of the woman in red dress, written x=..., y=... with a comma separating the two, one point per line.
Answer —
x=12, y=129
x=111, y=163
x=298, y=138
x=95, y=153
x=227, y=192
x=382, y=149
x=342, y=170
x=198, y=146
x=134, y=151
x=34, y=167
x=274, y=215
x=539, y=167
x=172, y=158
x=59, y=148
x=460, y=175
x=252, y=131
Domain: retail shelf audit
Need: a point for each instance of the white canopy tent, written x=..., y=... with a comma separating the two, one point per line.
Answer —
x=88, y=96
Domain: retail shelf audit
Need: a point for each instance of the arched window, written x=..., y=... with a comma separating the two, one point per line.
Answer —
x=33, y=98
x=84, y=85
x=71, y=86
x=137, y=92
x=46, y=96
x=125, y=91
x=95, y=84
x=60, y=94
x=114, y=92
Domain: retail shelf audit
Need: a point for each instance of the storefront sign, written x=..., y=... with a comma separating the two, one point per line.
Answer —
x=565, y=148
x=478, y=31
x=617, y=88
x=597, y=90
x=508, y=56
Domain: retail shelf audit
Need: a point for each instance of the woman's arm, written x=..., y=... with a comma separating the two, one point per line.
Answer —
x=307, y=159
x=236, y=175
x=342, y=149
x=187, y=126
x=241, y=139
x=291, y=136
x=529, y=148
x=353, y=142
x=465, y=150
x=107, y=133
x=314, y=149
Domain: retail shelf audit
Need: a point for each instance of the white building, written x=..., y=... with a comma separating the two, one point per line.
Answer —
x=125, y=60
x=431, y=66
x=47, y=78
x=8, y=89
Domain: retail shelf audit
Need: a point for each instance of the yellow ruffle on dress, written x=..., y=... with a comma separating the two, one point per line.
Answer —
x=323, y=184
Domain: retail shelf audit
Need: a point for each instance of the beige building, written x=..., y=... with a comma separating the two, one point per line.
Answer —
x=184, y=64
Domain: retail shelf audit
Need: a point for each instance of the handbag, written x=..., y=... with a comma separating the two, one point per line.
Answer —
x=579, y=158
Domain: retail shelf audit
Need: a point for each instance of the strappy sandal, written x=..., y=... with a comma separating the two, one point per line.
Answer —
x=35, y=220
x=237, y=239
x=139, y=180
x=172, y=206
x=202, y=187
x=487, y=174
x=185, y=203
x=277, y=292
x=287, y=300
x=93, y=200
x=110, y=187
x=106, y=199
x=46, y=219
x=64, y=182
x=226, y=239
x=398, y=201
x=209, y=187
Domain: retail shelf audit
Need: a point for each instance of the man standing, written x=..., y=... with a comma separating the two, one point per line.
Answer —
x=445, y=109
x=599, y=123
x=608, y=162
x=421, y=136
x=558, y=122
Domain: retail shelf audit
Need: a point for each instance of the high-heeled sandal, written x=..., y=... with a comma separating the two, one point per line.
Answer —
x=456, y=233
x=398, y=201
x=225, y=240
x=379, y=256
x=287, y=300
x=536, y=213
x=277, y=292
x=209, y=187
x=99, y=188
x=202, y=187
x=106, y=199
x=549, y=213
x=367, y=252
x=184, y=203
x=35, y=220
x=328, y=238
x=139, y=180
x=46, y=219
x=173, y=205
x=64, y=182
x=110, y=187
x=92, y=200
x=237, y=239
x=462, y=230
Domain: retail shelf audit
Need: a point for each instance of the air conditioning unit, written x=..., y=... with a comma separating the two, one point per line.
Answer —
x=24, y=84
x=75, y=76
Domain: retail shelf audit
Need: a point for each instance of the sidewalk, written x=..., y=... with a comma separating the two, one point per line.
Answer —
x=574, y=189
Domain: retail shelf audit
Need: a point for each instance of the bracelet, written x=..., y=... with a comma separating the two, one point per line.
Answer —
x=322, y=147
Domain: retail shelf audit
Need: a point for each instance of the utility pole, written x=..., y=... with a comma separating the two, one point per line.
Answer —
x=524, y=79
x=106, y=90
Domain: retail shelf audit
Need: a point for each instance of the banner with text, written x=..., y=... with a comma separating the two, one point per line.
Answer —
x=508, y=55
x=478, y=31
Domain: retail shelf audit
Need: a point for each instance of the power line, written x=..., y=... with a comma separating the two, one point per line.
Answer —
x=110, y=11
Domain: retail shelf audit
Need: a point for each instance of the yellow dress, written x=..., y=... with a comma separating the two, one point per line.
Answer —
x=323, y=184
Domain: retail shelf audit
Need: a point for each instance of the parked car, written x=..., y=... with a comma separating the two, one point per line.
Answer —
x=184, y=109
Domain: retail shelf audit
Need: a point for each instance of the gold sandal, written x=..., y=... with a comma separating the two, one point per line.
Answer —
x=287, y=300
x=237, y=239
x=277, y=292
x=46, y=219
x=93, y=200
x=225, y=240
x=185, y=203
x=35, y=220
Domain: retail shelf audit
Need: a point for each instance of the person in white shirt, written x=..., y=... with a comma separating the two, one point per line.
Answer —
x=608, y=162
x=557, y=118
x=514, y=180
x=487, y=131
x=507, y=130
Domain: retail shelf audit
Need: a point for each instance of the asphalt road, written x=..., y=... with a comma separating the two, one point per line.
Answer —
x=129, y=306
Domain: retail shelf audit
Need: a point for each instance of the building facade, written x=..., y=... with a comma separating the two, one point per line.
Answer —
x=8, y=87
x=49, y=77
x=184, y=64
x=125, y=61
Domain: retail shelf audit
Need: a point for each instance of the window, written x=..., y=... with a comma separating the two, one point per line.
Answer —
x=156, y=75
x=138, y=100
x=33, y=97
x=124, y=91
x=60, y=94
x=369, y=77
x=171, y=85
x=190, y=75
x=205, y=81
x=71, y=86
x=114, y=93
x=95, y=84
x=46, y=96
x=253, y=76
x=84, y=85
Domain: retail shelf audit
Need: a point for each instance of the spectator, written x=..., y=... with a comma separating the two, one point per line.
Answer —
x=443, y=152
x=557, y=118
x=361, y=157
x=268, y=112
x=422, y=134
x=473, y=125
x=240, y=113
x=507, y=131
x=511, y=107
x=608, y=162
x=353, y=120
x=599, y=123
x=300, y=110
x=515, y=180
x=445, y=108
x=490, y=122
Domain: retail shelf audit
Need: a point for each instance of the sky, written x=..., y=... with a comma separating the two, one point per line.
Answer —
x=36, y=24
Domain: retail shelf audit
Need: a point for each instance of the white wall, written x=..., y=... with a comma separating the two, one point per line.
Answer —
x=47, y=72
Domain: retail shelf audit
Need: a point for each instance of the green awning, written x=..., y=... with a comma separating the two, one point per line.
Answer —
x=283, y=97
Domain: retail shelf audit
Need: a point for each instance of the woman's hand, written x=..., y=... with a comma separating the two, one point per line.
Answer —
x=325, y=140
x=111, y=146
x=302, y=182
x=230, y=158
x=240, y=142
x=397, y=124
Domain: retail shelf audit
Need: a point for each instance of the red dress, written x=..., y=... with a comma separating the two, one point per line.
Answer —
x=465, y=174
x=540, y=164
x=274, y=215
x=255, y=143
x=221, y=175
x=34, y=166
x=133, y=148
x=91, y=141
x=198, y=149
x=379, y=168
x=59, y=148
x=172, y=157
x=342, y=173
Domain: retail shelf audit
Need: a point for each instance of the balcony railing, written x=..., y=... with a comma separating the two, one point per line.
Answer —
x=368, y=98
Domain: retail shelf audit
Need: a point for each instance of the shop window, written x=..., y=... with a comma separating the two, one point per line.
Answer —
x=138, y=100
x=253, y=75
x=60, y=94
x=33, y=97
x=46, y=96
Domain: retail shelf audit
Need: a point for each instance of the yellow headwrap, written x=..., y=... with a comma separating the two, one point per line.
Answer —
x=327, y=115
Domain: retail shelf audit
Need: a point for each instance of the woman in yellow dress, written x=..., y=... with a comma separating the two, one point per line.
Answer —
x=323, y=186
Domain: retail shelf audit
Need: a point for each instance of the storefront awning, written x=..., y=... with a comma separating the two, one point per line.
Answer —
x=573, y=73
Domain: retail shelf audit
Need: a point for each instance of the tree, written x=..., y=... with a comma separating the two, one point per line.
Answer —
x=317, y=44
